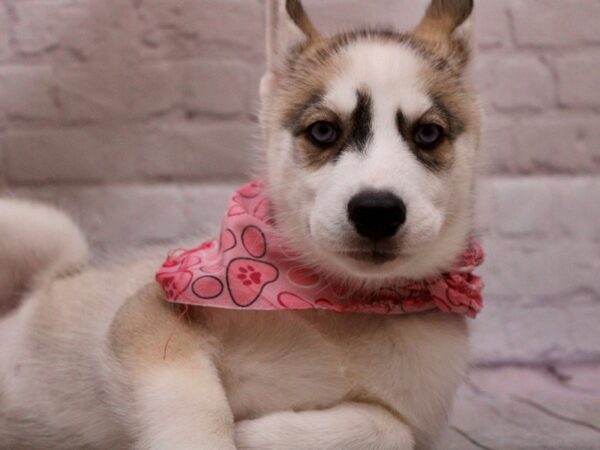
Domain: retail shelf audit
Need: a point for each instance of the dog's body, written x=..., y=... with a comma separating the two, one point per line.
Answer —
x=95, y=358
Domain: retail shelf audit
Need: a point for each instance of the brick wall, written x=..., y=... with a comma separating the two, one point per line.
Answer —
x=104, y=103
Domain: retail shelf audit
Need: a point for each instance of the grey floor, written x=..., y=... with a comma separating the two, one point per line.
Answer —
x=521, y=408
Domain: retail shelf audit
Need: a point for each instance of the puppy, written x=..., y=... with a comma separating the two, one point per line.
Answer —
x=371, y=140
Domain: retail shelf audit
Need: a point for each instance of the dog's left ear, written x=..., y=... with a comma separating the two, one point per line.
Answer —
x=289, y=32
x=448, y=26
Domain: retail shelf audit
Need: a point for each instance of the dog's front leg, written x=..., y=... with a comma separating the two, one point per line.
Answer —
x=349, y=426
x=171, y=396
x=183, y=406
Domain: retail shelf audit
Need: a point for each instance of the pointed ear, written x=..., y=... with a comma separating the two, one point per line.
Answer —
x=447, y=21
x=289, y=31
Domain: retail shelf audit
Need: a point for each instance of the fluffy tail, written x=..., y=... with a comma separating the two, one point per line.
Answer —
x=37, y=243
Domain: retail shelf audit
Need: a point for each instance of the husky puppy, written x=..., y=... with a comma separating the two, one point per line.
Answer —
x=345, y=118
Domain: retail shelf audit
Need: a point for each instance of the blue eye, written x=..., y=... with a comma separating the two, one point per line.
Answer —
x=428, y=136
x=322, y=134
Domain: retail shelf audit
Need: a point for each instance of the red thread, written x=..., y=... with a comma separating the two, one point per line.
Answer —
x=172, y=333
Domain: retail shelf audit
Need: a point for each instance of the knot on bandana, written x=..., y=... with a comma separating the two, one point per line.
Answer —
x=249, y=267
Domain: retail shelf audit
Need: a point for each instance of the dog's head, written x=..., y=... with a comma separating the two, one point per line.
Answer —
x=372, y=138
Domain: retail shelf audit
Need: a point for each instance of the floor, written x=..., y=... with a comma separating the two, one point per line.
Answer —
x=520, y=408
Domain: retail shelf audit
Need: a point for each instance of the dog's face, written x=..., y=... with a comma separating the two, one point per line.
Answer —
x=372, y=140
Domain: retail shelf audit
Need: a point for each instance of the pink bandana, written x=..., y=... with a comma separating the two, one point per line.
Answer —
x=248, y=267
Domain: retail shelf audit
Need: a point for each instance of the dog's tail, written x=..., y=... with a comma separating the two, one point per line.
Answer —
x=37, y=243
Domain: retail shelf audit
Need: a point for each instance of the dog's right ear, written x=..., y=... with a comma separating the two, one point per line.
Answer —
x=448, y=27
x=289, y=31
x=443, y=18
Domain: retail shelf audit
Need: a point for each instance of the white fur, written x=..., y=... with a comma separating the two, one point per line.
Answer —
x=35, y=240
x=82, y=365
x=174, y=408
x=318, y=223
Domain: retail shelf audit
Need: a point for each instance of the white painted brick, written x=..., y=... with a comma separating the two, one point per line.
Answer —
x=26, y=93
x=113, y=92
x=567, y=145
x=179, y=28
x=118, y=218
x=2, y=168
x=38, y=25
x=75, y=30
x=542, y=239
x=491, y=19
x=217, y=87
x=542, y=287
x=115, y=218
x=485, y=209
x=556, y=22
x=544, y=207
x=4, y=32
x=185, y=151
x=204, y=206
x=118, y=91
x=533, y=271
x=579, y=77
x=579, y=201
x=515, y=82
x=498, y=153
x=514, y=333
x=215, y=151
x=562, y=144
x=73, y=155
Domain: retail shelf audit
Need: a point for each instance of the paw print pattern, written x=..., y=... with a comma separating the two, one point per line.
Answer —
x=175, y=286
x=247, y=279
x=249, y=275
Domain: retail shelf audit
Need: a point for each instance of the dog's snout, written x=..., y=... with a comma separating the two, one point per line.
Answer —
x=377, y=214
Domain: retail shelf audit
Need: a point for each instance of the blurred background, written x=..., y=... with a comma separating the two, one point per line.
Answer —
x=138, y=116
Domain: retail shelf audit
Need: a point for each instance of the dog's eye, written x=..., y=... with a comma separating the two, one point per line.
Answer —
x=322, y=134
x=428, y=136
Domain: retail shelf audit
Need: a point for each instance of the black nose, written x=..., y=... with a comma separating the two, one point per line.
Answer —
x=377, y=214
